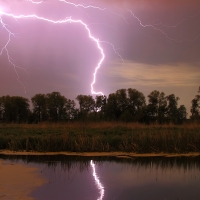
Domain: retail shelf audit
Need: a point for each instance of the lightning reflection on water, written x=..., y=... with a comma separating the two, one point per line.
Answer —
x=97, y=181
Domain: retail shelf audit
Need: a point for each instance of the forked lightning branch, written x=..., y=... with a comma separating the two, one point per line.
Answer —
x=10, y=34
x=66, y=20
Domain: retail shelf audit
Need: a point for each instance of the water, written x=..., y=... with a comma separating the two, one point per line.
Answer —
x=87, y=178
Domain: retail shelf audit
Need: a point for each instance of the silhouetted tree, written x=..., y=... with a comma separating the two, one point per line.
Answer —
x=71, y=110
x=128, y=105
x=14, y=109
x=195, y=108
x=2, y=108
x=136, y=104
x=182, y=114
x=122, y=102
x=100, y=103
x=162, y=108
x=175, y=114
x=112, y=111
x=39, y=102
x=87, y=105
x=100, y=107
x=157, y=108
x=56, y=106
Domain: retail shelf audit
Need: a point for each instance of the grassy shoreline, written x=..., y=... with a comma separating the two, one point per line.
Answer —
x=98, y=154
x=102, y=137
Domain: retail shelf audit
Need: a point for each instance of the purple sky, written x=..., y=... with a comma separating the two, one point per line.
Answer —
x=61, y=57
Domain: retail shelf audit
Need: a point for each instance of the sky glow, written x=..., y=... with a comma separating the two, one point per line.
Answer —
x=67, y=20
x=97, y=46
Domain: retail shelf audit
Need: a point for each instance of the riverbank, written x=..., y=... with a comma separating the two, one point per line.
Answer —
x=18, y=181
x=102, y=137
x=98, y=154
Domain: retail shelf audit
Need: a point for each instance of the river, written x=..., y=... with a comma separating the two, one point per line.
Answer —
x=110, y=178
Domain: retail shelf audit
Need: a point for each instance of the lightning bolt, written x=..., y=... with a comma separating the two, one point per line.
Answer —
x=35, y=2
x=7, y=53
x=161, y=31
x=80, y=22
x=82, y=5
x=67, y=20
x=97, y=181
x=95, y=7
x=140, y=22
x=179, y=23
x=151, y=26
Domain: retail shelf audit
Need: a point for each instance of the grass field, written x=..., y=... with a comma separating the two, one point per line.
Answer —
x=100, y=137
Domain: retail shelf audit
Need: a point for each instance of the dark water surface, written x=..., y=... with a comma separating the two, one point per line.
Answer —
x=108, y=178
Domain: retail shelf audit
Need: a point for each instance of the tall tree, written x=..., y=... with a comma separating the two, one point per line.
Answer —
x=182, y=114
x=156, y=109
x=162, y=108
x=126, y=105
x=71, y=110
x=100, y=103
x=56, y=106
x=2, y=108
x=136, y=104
x=152, y=107
x=172, y=109
x=122, y=101
x=195, y=108
x=22, y=106
x=112, y=111
x=86, y=103
x=39, y=102
x=14, y=109
x=100, y=107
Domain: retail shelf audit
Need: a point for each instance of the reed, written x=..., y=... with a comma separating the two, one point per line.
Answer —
x=100, y=137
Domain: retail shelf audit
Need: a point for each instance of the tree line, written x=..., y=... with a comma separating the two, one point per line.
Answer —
x=128, y=105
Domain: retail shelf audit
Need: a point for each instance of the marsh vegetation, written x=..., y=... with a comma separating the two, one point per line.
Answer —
x=121, y=122
x=101, y=137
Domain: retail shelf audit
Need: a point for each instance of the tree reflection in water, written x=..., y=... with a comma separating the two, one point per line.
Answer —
x=139, y=178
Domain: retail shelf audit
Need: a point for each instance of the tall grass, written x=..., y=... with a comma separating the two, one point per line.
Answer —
x=100, y=137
